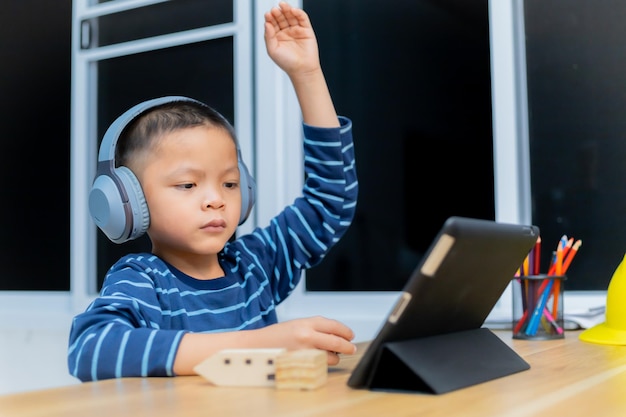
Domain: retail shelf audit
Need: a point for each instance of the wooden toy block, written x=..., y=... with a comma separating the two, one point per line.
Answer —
x=304, y=369
x=240, y=367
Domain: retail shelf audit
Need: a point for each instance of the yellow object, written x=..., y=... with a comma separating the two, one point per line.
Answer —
x=613, y=330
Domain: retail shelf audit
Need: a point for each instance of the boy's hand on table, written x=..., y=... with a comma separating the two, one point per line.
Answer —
x=313, y=333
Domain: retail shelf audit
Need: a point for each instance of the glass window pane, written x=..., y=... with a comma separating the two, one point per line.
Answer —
x=575, y=58
x=35, y=169
x=418, y=89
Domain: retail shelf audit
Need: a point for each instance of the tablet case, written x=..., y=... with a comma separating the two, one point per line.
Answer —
x=433, y=340
x=444, y=363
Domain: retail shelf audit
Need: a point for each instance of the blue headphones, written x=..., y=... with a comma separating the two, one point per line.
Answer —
x=116, y=201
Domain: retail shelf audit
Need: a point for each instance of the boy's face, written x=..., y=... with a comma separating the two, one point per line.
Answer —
x=191, y=184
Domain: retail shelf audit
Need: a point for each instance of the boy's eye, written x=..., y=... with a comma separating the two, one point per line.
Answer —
x=187, y=186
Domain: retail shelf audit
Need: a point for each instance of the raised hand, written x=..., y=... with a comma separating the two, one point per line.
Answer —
x=290, y=39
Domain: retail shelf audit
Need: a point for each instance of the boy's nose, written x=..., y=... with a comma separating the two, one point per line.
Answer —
x=213, y=199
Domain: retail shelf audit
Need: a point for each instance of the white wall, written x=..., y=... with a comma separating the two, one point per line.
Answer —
x=33, y=354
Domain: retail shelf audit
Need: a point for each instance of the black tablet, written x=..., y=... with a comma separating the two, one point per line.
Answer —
x=453, y=289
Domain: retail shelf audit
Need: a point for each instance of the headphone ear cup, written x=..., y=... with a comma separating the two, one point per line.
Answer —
x=119, y=220
x=248, y=191
x=107, y=207
x=139, y=213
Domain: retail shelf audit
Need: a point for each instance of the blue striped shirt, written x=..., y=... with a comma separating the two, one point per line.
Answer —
x=145, y=306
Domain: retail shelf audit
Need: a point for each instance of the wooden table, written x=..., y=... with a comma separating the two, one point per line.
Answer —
x=567, y=378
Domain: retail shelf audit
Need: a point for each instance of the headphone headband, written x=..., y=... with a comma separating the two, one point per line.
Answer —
x=113, y=133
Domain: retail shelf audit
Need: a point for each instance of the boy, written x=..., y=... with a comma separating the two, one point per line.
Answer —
x=197, y=292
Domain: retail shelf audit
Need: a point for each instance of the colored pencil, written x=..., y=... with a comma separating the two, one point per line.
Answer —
x=528, y=299
x=533, y=323
x=558, y=264
x=537, y=256
x=571, y=254
x=525, y=266
x=558, y=271
x=553, y=322
x=568, y=244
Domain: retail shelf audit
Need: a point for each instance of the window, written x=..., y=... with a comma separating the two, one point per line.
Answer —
x=35, y=173
x=473, y=55
x=575, y=60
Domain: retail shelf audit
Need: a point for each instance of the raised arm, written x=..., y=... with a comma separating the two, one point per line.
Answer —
x=291, y=44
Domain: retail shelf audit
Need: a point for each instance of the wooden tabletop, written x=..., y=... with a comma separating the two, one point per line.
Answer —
x=567, y=377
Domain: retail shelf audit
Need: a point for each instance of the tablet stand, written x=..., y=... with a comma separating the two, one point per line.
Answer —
x=443, y=363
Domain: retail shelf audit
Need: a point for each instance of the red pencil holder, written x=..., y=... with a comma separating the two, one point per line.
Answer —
x=538, y=307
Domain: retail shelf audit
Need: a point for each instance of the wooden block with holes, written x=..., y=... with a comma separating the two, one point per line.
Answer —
x=240, y=367
x=304, y=369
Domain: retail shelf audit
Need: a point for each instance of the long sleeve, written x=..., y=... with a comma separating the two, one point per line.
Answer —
x=302, y=234
x=125, y=331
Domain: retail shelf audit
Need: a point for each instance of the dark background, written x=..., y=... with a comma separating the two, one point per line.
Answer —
x=576, y=70
x=415, y=79
x=35, y=70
